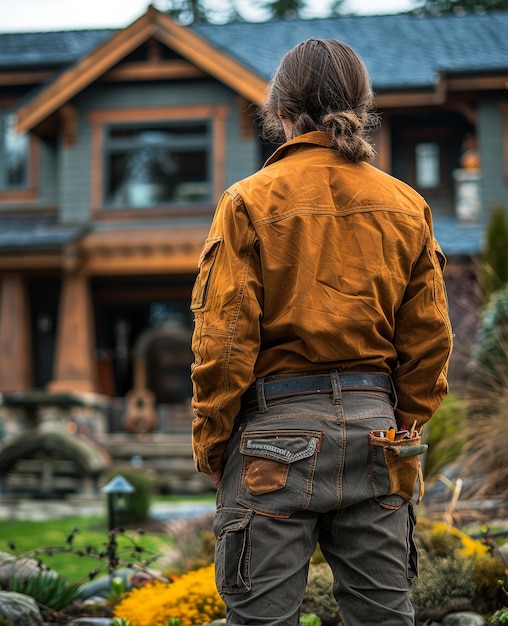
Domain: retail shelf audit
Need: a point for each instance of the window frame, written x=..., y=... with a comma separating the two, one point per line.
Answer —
x=412, y=138
x=102, y=120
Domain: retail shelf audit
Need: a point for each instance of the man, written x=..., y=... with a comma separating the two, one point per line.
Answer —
x=321, y=347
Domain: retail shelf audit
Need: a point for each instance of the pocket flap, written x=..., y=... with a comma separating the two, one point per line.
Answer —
x=284, y=447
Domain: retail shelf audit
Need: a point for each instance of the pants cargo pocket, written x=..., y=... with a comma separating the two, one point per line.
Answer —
x=395, y=466
x=277, y=471
x=232, y=550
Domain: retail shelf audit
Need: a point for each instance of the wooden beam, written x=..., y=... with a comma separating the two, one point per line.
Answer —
x=69, y=117
x=15, y=336
x=478, y=83
x=24, y=78
x=74, y=364
x=30, y=261
x=166, y=70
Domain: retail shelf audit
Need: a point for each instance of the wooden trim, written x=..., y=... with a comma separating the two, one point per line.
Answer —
x=126, y=215
x=154, y=51
x=83, y=73
x=210, y=59
x=31, y=191
x=152, y=24
x=398, y=100
x=383, y=145
x=246, y=118
x=219, y=151
x=478, y=83
x=217, y=113
x=161, y=113
x=69, y=117
x=15, y=339
x=74, y=368
x=143, y=251
x=24, y=78
x=166, y=70
x=503, y=107
x=41, y=261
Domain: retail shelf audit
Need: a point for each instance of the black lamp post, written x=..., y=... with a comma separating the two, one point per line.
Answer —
x=117, y=491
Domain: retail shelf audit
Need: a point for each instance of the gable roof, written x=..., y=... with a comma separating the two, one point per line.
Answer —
x=153, y=24
x=402, y=52
x=399, y=50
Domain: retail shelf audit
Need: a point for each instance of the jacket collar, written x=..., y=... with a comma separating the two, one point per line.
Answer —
x=316, y=138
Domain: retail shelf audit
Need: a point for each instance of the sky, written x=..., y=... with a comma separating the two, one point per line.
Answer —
x=44, y=15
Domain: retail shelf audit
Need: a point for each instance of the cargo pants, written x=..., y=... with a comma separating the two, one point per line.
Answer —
x=307, y=470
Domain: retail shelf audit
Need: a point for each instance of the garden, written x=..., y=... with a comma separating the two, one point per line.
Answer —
x=146, y=573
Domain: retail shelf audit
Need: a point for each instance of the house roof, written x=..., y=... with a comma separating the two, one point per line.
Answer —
x=400, y=51
x=152, y=25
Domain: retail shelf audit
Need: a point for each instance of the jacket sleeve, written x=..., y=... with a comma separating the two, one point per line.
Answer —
x=226, y=302
x=423, y=338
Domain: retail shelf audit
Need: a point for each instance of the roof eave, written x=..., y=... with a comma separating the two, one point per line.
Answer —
x=152, y=24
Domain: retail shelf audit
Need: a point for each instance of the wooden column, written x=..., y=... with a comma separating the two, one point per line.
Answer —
x=15, y=336
x=74, y=365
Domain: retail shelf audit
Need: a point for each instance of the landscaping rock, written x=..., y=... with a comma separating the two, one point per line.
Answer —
x=19, y=610
x=22, y=568
x=465, y=618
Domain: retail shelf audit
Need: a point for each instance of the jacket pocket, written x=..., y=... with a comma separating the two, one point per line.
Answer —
x=277, y=471
x=205, y=266
x=395, y=466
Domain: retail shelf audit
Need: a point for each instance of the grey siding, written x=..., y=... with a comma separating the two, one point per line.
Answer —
x=75, y=164
x=490, y=134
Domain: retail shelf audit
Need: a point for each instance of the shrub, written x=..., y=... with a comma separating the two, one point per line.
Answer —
x=445, y=435
x=192, y=598
x=193, y=545
x=310, y=619
x=500, y=617
x=440, y=540
x=318, y=598
x=47, y=588
x=445, y=584
x=494, y=269
x=489, y=576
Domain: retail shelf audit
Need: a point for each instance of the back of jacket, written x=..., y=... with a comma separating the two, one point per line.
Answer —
x=314, y=263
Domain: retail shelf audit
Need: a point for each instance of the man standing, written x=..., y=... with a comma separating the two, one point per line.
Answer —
x=321, y=347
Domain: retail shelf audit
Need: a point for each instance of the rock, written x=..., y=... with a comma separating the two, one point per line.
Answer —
x=19, y=610
x=21, y=567
x=464, y=618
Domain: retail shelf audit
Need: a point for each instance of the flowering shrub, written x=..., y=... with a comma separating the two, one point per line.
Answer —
x=442, y=540
x=192, y=598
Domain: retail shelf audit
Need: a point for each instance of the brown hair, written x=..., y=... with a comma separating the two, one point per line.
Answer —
x=322, y=84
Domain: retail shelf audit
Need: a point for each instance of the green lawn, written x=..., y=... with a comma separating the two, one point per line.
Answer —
x=92, y=531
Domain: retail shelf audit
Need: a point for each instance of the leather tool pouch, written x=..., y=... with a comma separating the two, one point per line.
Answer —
x=396, y=466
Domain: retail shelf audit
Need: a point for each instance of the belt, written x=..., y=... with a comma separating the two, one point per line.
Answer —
x=286, y=385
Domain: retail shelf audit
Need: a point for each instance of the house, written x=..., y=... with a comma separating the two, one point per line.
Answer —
x=116, y=145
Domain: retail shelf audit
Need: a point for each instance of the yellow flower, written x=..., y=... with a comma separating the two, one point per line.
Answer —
x=192, y=598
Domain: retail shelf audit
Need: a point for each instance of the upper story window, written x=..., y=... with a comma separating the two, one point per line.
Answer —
x=14, y=155
x=158, y=159
x=153, y=164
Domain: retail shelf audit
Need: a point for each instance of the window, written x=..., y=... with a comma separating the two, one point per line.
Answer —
x=14, y=153
x=157, y=163
x=427, y=165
